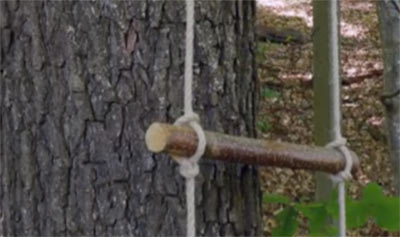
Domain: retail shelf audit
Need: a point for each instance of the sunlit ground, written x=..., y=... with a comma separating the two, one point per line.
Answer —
x=292, y=8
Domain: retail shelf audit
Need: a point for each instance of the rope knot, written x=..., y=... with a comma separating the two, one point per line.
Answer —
x=188, y=169
x=192, y=119
x=340, y=145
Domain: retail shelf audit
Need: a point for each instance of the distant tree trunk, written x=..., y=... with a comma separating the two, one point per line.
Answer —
x=326, y=82
x=389, y=18
x=81, y=82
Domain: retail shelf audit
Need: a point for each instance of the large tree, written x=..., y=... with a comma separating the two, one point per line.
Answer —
x=80, y=83
x=389, y=19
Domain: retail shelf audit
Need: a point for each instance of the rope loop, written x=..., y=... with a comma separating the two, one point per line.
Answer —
x=187, y=118
x=192, y=119
x=340, y=145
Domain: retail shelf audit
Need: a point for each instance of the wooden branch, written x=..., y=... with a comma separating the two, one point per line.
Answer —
x=182, y=141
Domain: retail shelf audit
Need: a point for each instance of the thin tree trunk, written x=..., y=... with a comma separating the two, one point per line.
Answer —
x=389, y=18
x=326, y=81
x=81, y=82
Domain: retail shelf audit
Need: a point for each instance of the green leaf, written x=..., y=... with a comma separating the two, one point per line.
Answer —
x=263, y=126
x=372, y=192
x=387, y=213
x=270, y=93
x=318, y=217
x=275, y=198
x=385, y=210
x=261, y=50
x=356, y=213
x=287, y=219
x=331, y=205
x=289, y=38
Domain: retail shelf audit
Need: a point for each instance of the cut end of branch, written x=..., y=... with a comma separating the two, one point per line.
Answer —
x=156, y=137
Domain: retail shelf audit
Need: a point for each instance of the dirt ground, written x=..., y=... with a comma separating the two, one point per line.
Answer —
x=286, y=106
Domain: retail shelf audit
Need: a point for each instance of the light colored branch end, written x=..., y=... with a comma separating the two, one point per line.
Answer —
x=156, y=137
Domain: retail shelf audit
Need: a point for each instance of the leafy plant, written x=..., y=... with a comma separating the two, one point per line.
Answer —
x=287, y=222
x=289, y=38
x=317, y=214
x=263, y=48
x=374, y=204
x=384, y=210
x=276, y=198
x=263, y=126
x=270, y=93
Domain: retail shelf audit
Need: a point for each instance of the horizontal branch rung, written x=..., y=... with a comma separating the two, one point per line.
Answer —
x=182, y=141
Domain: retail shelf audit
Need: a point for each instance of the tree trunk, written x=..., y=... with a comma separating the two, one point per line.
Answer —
x=389, y=18
x=82, y=81
x=326, y=81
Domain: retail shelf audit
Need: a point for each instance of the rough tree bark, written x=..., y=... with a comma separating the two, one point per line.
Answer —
x=389, y=19
x=81, y=82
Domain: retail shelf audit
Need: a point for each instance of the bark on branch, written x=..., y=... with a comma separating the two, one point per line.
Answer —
x=182, y=141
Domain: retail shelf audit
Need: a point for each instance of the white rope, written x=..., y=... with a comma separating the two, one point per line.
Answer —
x=340, y=178
x=189, y=167
x=189, y=56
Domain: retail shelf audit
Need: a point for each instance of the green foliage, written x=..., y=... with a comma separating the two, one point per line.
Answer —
x=317, y=215
x=263, y=126
x=385, y=210
x=289, y=38
x=358, y=216
x=287, y=222
x=263, y=48
x=374, y=204
x=270, y=93
x=276, y=198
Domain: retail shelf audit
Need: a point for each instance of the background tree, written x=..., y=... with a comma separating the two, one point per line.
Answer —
x=80, y=83
x=326, y=82
x=389, y=19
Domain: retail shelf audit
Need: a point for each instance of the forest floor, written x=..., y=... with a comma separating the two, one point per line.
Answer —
x=286, y=101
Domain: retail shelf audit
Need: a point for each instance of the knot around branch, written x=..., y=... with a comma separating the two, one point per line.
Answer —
x=340, y=145
x=189, y=166
x=189, y=169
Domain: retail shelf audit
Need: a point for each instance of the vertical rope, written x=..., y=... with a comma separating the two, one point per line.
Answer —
x=338, y=142
x=342, y=208
x=189, y=167
x=189, y=56
x=190, y=207
x=340, y=178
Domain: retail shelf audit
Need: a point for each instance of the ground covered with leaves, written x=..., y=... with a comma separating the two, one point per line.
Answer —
x=286, y=106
